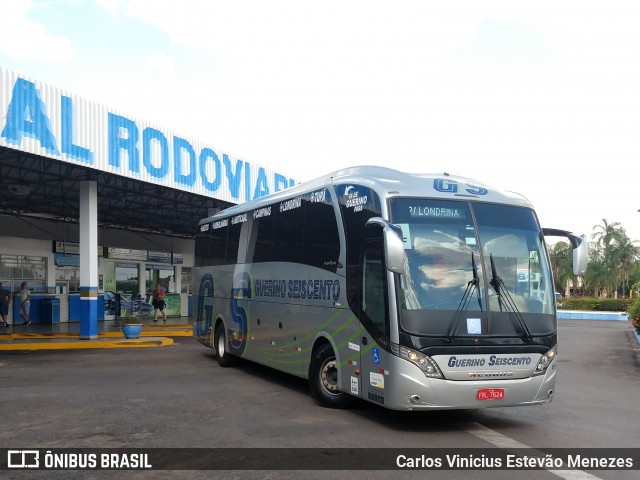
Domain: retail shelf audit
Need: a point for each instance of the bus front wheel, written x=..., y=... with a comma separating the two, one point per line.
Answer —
x=225, y=359
x=323, y=379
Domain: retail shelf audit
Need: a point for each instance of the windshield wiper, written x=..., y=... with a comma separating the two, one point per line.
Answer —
x=501, y=290
x=476, y=282
x=472, y=286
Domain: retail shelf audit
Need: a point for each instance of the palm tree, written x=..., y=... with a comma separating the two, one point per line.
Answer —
x=624, y=255
x=608, y=237
x=560, y=255
x=605, y=235
x=596, y=278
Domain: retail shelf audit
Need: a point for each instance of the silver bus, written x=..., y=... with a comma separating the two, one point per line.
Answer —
x=410, y=291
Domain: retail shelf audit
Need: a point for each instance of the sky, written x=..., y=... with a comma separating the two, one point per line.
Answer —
x=541, y=98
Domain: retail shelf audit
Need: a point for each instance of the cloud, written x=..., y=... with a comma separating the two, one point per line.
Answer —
x=536, y=97
x=499, y=42
x=114, y=7
x=160, y=62
x=23, y=39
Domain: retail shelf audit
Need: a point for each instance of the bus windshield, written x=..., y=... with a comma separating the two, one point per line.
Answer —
x=473, y=269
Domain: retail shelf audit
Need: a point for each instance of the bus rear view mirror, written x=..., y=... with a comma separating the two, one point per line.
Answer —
x=394, y=256
x=579, y=245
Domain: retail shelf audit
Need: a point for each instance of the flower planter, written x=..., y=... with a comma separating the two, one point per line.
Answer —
x=132, y=330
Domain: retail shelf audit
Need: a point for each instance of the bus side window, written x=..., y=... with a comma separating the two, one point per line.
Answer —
x=264, y=238
x=321, y=237
x=233, y=243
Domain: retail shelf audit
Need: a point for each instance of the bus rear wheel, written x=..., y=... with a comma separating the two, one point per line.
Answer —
x=225, y=359
x=323, y=379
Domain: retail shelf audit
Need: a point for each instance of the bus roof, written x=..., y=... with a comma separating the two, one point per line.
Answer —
x=388, y=183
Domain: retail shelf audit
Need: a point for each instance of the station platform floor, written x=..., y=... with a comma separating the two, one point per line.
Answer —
x=66, y=335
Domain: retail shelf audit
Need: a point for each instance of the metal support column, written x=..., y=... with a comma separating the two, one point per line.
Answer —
x=88, y=260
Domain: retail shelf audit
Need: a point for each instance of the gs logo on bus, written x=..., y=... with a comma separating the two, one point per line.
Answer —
x=445, y=185
x=241, y=290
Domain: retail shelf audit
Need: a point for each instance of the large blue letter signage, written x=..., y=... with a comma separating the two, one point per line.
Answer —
x=27, y=116
x=124, y=146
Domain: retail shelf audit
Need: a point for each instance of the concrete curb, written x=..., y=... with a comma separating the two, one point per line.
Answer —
x=39, y=337
x=588, y=315
x=69, y=335
x=74, y=344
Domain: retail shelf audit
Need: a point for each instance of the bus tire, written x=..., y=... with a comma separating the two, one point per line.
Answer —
x=323, y=379
x=225, y=359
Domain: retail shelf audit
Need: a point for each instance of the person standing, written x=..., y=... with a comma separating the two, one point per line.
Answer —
x=159, y=303
x=25, y=302
x=5, y=298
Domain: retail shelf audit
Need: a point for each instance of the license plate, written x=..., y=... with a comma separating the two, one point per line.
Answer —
x=490, y=394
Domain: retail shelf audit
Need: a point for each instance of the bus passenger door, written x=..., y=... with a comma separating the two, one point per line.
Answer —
x=374, y=315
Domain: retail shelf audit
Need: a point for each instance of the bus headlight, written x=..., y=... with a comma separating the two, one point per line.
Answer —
x=545, y=361
x=424, y=362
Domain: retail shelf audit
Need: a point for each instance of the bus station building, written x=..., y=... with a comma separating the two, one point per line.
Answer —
x=96, y=206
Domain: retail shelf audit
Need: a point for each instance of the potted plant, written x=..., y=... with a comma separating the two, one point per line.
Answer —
x=131, y=326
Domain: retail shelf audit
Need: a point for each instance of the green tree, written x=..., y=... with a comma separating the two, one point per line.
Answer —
x=560, y=254
x=605, y=235
x=624, y=256
x=596, y=277
x=614, y=257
